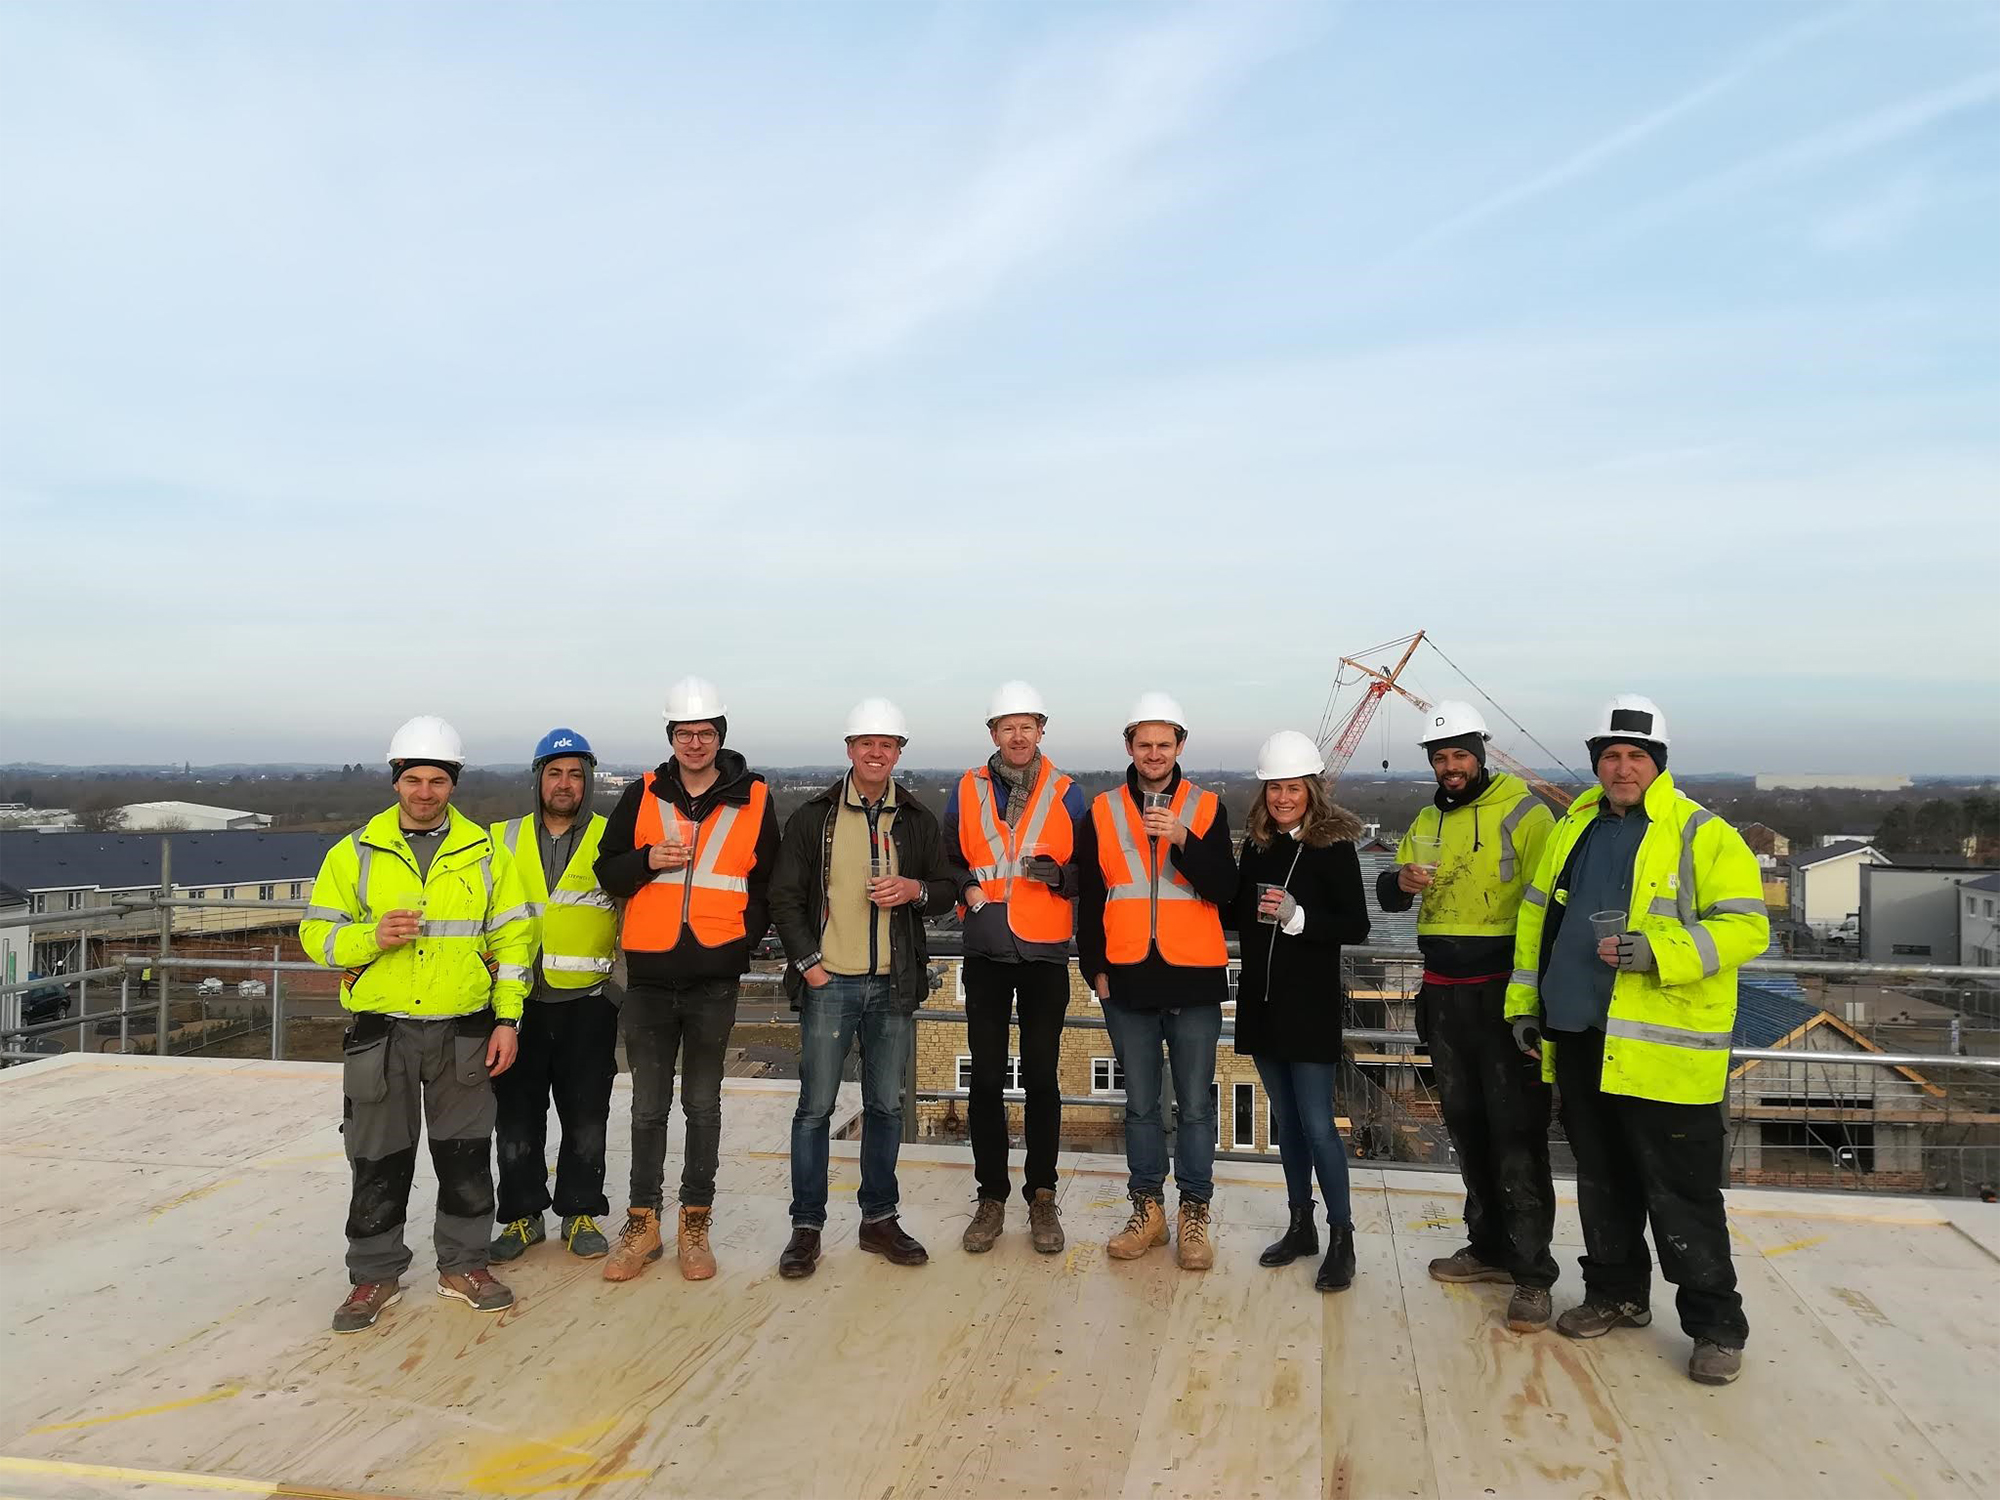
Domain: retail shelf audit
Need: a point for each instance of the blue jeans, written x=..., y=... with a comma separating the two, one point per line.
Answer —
x=1190, y=1035
x=829, y=1019
x=1301, y=1095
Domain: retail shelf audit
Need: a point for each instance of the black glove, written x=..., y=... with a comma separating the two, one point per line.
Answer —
x=1045, y=868
x=1528, y=1034
x=1635, y=951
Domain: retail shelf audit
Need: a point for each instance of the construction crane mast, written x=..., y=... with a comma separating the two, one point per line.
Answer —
x=1382, y=682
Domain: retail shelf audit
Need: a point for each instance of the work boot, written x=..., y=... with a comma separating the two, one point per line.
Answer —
x=1301, y=1237
x=513, y=1241
x=364, y=1304
x=1336, y=1272
x=585, y=1240
x=1713, y=1363
x=985, y=1226
x=1596, y=1316
x=476, y=1289
x=691, y=1243
x=1528, y=1309
x=1146, y=1228
x=801, y=1254
x=1191, y=1247
x=885, y=1237
x=638, y=1245
x=1044, y=1228
x=1463, y=1265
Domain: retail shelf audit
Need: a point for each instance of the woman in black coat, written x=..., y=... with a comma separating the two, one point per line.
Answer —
x=1298, y=899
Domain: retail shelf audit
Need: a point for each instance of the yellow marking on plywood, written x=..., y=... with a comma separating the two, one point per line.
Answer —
x=192, y=1195
x=550, y=1466
x=222, y=1393
x=1901, y=1488
x=1805, y=1244
x=62, y=1468
x=1438, y=1223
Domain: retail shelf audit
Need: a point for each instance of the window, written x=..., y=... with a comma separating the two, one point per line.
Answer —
x=229, y=893
x=298, y=889
x=266, y=892
x=1246, y=1116
x=1106, y=1076
x=1989, y=906
x=1971, y=907
x=1270, y=1126
x=1013, y=1084
x=1911, y=950
x=41, y=902
x=197, y=895
x=72, y=900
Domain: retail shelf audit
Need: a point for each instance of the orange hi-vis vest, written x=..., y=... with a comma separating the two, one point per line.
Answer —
x=1147, y=903
x=995, y=849
x=708, y=894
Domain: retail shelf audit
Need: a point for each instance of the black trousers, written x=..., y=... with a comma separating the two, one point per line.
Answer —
x=1638, y=1159
x=569, y=1052
x=689, y=1019
x=992, y=991
x=1496, y=1108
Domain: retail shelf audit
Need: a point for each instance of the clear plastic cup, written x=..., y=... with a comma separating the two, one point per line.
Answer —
x=1607, y=924
x=1426, y=852
x=1269, y=919
x=1156, y=801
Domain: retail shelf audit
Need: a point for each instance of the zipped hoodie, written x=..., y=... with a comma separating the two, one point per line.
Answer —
x=622, y=869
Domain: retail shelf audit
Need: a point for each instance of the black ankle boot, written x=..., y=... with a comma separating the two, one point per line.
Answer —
x=1336, y=1272
x=1300, y=1238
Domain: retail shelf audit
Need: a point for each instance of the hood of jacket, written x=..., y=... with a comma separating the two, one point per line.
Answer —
x=733, y=780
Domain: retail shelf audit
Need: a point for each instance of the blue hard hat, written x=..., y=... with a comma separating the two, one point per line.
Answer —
x=560, y=742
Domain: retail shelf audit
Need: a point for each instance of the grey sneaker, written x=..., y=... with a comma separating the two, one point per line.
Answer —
x=364, y=1305
x=1713, y=1363
x=984, y=1229
x=584, y=1238
x=1528, y=1309
x=476, y=1289
x=1044, y=1227
x=513, y=1241
x=1463, y=1265
x=1594, y=1317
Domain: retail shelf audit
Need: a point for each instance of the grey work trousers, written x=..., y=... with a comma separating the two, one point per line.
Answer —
x=398, y=1074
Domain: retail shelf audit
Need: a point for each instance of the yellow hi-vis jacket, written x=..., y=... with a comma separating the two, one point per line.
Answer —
x=579, y=925
x=1698, y=896
x=1491, y=849
x=472, y=904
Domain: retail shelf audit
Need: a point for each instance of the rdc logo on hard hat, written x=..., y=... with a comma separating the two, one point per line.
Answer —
x=563, y=743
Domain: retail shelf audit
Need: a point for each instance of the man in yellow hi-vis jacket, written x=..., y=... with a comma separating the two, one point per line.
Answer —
x=428, y=922
x=1624, y=981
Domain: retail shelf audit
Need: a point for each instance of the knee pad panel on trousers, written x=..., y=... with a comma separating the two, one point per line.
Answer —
x=465, y=1177
x=381, y=1195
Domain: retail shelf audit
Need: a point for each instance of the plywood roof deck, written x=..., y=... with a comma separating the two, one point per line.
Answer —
x=173, y=1253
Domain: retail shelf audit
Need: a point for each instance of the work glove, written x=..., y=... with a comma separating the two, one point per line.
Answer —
x=1043, y=867
x=1287, y=909
x=1528, y=1034
x=1635, y=951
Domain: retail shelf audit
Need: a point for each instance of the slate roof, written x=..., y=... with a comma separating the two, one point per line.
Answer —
x=131, y=861
x=1764, y=1016
x=1984, y=883
x=1831, y=851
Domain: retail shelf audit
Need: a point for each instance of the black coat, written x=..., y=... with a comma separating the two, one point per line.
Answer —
x=1289, y=1004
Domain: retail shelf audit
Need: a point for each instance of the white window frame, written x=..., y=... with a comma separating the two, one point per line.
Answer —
x=1106, y=1076
x=40, y=903
x=298, y=889
x=266, y=892
x=1013, y=1089
x=229, y=893
x=72, y=900
x=1237, y=1093
x=1270, y=1125
x=198, y=895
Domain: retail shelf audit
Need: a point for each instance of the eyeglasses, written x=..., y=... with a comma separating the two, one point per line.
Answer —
x=695, y=736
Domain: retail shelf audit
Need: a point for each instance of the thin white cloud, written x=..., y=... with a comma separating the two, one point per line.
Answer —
x=1589, y=159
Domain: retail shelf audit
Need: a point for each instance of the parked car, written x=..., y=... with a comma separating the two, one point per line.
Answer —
x=209, y=987
x=45, y=1002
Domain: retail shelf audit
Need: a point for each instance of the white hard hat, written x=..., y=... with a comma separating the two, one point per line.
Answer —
x=1288, y=753
x=1015, y=698
x=1450, y=719
x=877, y=716
x=1631, y=716
x=427, y=737
x=1156, y=708
x=693, y=699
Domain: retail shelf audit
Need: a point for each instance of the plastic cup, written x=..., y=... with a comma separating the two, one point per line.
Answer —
x=1269, y=919
x=1607, y=924
x=1156, y=801
x=1427, y=851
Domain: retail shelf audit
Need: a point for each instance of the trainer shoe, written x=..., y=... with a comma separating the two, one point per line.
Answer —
x=364, y=1305
x=512, y=1242
x=476, y=1289
x=585, y=1240
x=1594, y=1317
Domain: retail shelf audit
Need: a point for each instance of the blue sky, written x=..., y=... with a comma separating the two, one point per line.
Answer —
x=510, y=361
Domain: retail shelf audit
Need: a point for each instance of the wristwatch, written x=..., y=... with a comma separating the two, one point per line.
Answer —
x=512, y=1022
x=923, y=895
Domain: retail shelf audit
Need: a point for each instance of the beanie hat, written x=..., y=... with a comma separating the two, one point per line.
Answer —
x=398, y=767
x=1598, y=746
x=1474, y=744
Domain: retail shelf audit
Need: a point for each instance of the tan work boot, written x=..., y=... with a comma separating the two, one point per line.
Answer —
x=1146, y=1228
x=1044, y=1228
x=364, y=1305
x=987, y=1220
x=697, y=1260
x=476, y=1289
x=1192, y=1247
x=638, y=1245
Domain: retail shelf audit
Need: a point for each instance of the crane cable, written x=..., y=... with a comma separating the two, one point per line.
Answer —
x=1573, y=775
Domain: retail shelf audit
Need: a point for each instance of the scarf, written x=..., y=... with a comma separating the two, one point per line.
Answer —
x=1020, y=784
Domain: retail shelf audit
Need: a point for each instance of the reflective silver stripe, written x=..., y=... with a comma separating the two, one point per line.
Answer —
x=325, y=914
x=1704, y=942
x=702, y=872
x=580, y=898
x=984, y=873
x=502, y=918
x=555, y=965
x=1744, y=905
x=1130, y=891
x=365, y=857
x=331, y=962
x=486, y=875
x=431, y=929
x=1668, y=1036
x=989, y=829
x=1508, y=824
x=1534, y=897
x=1028, y=832
x=514, y=830
x=511, y=971
x=1684, y=897
x=1660, y=906
x=536, y=908
x=1527, y=977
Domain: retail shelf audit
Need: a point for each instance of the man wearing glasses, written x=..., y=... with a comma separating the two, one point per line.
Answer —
x=689, y=849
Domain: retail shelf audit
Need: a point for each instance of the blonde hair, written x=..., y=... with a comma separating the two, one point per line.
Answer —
x=1316, y=828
